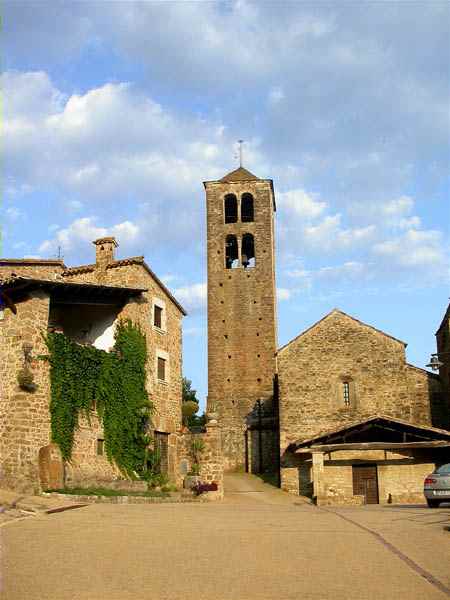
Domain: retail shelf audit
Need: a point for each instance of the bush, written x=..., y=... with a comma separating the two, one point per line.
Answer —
x=188, y=410
x=25, y=379
x=205, y=487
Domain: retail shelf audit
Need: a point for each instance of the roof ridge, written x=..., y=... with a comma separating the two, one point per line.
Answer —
x=239, y=174
x=341, y=312
x=421, y=369
x=33, y=261
x=444, y=318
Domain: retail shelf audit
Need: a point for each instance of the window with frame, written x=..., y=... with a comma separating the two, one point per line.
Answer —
x=161, y=368
x=100, y=447
x=346, y=393
x=158, y=316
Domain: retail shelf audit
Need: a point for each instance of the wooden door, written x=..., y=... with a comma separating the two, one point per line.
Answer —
x=365, y=482
x=162, y=447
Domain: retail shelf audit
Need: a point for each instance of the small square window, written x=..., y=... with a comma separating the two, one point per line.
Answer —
x=161, y=369
x=157, y=316
x=100, y=447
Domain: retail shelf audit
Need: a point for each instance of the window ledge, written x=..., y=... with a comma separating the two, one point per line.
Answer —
x=159, y=330
x=162, y=382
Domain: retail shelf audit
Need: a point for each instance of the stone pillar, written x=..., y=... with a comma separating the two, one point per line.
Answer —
x=318, y=477
x=51, y=468
x=211, y=465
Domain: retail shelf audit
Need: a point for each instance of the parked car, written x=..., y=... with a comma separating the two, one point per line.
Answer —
x=437, y=486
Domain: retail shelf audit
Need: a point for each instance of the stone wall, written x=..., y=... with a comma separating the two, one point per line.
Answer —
x=40, y=269
x=88, y=467
x=330, y=480
x=313, y=367
x=429, y=406
x=443, y=348
x=211, y=460
x=166, y=395
x=400, y=476
x=24, y=416
x=241, y=314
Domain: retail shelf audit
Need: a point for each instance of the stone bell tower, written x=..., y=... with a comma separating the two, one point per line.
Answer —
x=241, y=310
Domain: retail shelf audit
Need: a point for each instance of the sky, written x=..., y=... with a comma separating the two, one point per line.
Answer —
x=114, y=113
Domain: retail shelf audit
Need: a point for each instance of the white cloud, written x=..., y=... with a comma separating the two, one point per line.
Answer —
x=415, y=248
x=126, y=231
x=300, y=273
x=301, y=203
x=84, y=230
x=348, y=271
x=398, y=207
x=169, y=278
x=410, y=222
x=192, y=297
x=329, y=236
x=149, y=146
x=193, y=331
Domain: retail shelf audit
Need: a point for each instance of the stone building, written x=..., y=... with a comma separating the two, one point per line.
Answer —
x=84, y=302
x=355, y=416
x=242, y=314
x=341, y=380
x=443, y=355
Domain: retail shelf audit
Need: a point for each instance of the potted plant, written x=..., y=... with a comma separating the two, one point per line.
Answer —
x=25, y=379
x=193, y=477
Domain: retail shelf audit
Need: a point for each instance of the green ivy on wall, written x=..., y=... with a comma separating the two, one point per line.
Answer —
x=84, y=379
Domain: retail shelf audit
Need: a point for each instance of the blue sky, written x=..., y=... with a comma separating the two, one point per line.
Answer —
x=115, y=112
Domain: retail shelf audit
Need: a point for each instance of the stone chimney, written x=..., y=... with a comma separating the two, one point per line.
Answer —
x=104, y=252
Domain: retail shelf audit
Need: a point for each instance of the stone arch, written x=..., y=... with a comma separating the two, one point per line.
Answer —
x=247, y=208
x=248, y=250
x=230, y=208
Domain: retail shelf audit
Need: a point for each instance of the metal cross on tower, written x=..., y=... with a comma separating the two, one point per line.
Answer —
x=240, y=142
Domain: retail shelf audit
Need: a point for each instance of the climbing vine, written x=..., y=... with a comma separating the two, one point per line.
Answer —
x=85, y=379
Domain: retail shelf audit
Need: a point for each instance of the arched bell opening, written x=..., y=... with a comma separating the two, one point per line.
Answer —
x=248, y=251
x=247, y=212
x=231, y=252
x=231, y=208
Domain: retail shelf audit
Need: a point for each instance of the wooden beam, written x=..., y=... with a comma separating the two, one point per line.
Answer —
x=90, y=302
x=373, y=446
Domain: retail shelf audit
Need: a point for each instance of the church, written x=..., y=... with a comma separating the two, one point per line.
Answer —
x=337, y=413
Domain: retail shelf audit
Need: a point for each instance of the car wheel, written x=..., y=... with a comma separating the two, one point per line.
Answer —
x=433, y=503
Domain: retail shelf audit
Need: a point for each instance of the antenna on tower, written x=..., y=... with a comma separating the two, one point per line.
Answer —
x=59, y=255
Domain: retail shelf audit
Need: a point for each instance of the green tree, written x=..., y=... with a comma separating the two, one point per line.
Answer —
x=189, y=395
x=191, y=405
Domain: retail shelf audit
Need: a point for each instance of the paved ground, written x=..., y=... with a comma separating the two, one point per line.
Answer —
x=259, y=543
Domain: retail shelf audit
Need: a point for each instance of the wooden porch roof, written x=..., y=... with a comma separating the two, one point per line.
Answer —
x=404, y=434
